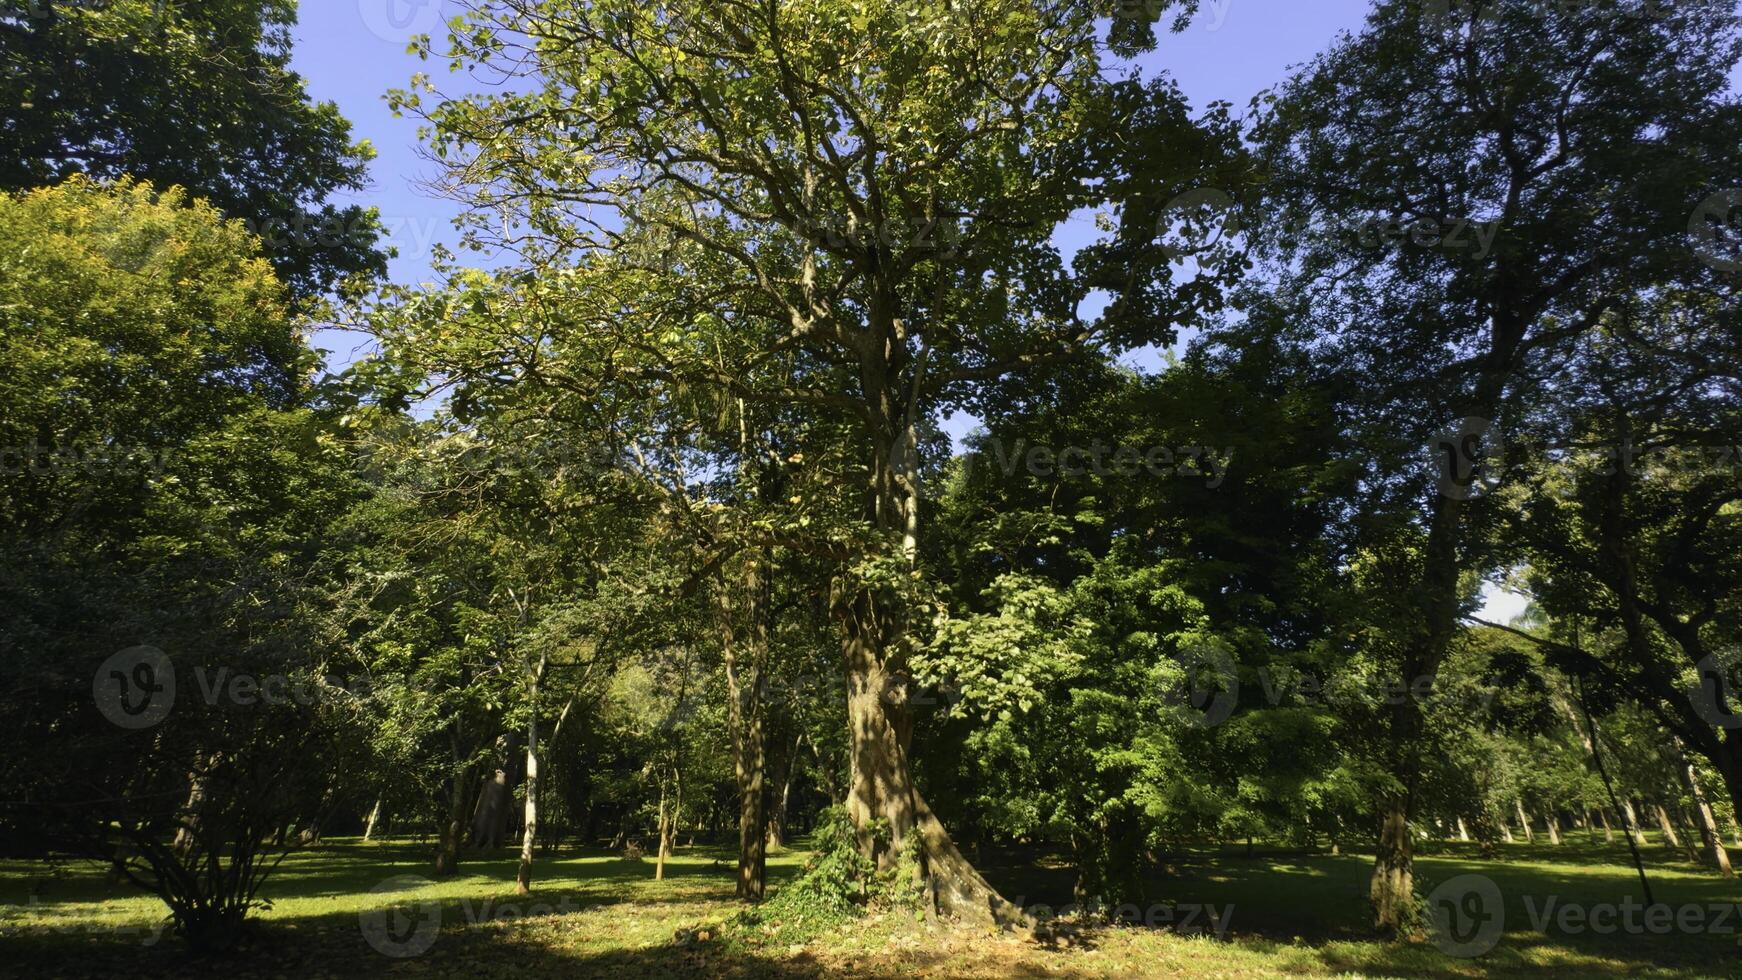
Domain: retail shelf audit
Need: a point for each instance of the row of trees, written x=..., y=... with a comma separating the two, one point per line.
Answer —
x=654, y=528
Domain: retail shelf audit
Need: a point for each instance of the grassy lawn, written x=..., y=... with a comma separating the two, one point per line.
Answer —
x=1279, y=913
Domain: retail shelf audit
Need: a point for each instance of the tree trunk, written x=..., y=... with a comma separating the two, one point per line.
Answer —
x=1631, y=816
x=490, y=817
x=1670, y=838
x=1392, y=887
x=1708, y=825
x=782, y=795
x=874, y=662
x=664, y=834
x=1524, y=822
x=828, y=775
x=374, y=818
x=1608, y=832
x=188, y=823
x=744, y=627
x=1552, y=821
x=529, y=829
x=447, y=861
x=879, y=781
x=1463, y=831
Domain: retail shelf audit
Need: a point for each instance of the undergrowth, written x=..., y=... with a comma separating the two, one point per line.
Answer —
x=837, y=886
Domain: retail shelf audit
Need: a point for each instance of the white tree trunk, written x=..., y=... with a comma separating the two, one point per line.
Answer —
x=529, y=834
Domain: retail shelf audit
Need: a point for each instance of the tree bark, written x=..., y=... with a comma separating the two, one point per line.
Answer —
x=447, y=858
x=188, y=821
x=490, y=817
x=1708, y=825
x=664, y=834
x=374, y=818
x=1524, y=822
x=529, y=830
x=879, y=782
x=1554, y=827
x=1392, y=887
x=872, y=621
x=1633, y=827
x=1608, y=833
x=1670, y=838
x=744, y=630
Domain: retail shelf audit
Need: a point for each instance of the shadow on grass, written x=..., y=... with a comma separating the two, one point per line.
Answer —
x=596, y=914
x=1280, y=900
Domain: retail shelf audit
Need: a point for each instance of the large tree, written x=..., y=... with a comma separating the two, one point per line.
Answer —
x=1469, y=188
x=199, y=95
x=164, y=490
x=847, y=208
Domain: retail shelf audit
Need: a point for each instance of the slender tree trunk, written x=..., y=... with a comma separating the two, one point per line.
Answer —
x=374, y=818
x=676, y=810
x=1463, y=831
x=1670, y=838
x=192, y=812
x=1634, y=828
x=828, y=775
x=447, y=861
x=529, y=828
x=1708, y=826
x=1554, y=827
x=1524, y=822
x=664, y=834
x=744, y=628
x=782, y=795
x=1608, y=832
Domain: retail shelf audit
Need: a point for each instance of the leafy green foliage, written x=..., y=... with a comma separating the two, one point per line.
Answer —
x=195, y=95
x=837, y=885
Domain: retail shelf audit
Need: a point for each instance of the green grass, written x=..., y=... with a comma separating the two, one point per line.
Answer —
x=1287, y=913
